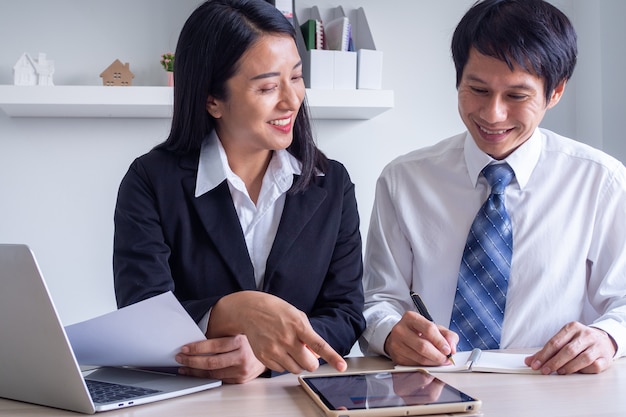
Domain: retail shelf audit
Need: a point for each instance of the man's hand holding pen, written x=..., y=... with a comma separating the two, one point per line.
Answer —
x=421, y=308
x=417, y=341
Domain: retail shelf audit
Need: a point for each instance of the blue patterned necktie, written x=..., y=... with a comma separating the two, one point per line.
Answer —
x=484, y=274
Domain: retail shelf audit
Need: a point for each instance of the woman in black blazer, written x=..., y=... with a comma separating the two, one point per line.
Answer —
x=238, y=213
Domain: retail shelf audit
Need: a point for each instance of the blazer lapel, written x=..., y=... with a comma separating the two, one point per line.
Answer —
x=298, y=210
x=221, y=223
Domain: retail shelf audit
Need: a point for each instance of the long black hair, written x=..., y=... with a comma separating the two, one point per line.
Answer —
x=530, y=33
x=211, y=42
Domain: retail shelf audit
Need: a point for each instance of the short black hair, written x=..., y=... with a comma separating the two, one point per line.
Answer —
x=211, y=42
x=533, y=34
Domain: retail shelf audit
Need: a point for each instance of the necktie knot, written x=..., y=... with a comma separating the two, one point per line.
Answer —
x=498, y=176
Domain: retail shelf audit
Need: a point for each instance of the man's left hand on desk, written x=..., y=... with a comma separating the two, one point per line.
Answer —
x=575, y=348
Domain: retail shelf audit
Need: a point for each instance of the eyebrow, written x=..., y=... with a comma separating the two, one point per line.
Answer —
x=515, y=87
x=273, y=74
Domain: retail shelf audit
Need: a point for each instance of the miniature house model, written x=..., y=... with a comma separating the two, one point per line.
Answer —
x=29, y=71
x=117, y=74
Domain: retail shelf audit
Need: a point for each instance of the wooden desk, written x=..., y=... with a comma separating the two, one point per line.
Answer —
x=502, y=395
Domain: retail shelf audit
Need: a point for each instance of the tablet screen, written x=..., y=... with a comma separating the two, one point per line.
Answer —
x=384, y=389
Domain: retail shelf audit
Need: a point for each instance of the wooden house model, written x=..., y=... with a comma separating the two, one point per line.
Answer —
x=31, y=71
x=117, y=74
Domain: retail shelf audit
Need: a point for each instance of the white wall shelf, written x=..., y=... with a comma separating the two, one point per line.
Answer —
x=156, y=102
x=349, y=104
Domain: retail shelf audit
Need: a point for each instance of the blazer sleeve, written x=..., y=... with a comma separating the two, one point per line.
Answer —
x=338, y=312
x=140, y=255
x=142, y=241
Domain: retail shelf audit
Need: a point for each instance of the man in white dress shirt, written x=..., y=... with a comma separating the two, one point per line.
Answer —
x=567, y=204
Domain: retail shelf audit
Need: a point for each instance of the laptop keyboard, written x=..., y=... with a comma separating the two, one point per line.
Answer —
x=105, y=392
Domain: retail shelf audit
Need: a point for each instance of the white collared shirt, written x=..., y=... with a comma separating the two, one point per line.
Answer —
x=567, y=204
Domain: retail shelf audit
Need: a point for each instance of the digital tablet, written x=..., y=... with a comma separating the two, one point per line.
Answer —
x=385, y=394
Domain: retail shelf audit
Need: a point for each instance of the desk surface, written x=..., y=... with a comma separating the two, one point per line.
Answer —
x=502, y=395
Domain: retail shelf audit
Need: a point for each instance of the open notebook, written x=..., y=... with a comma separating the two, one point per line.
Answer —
x=484, y=361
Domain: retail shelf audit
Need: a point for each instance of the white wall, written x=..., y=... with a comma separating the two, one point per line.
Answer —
x=613, y=87
x=59, y=177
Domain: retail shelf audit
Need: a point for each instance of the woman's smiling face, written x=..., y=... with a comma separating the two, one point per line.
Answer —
x=263, y=97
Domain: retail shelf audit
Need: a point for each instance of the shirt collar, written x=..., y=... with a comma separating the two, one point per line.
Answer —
x=523, y=160
x=213, y=166
x=283, y=166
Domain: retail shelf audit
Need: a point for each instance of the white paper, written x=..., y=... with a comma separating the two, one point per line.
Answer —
x=147, y=334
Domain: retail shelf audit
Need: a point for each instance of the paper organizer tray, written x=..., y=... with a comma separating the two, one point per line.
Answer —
x=341, y=70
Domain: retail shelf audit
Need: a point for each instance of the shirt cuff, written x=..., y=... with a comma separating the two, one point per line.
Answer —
x=203, y=324
x=375, y=335
x=617, y=332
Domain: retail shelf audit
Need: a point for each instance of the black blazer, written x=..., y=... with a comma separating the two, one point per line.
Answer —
x=168, y=240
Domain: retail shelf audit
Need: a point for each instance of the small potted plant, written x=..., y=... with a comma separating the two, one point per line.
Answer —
x=167, y=61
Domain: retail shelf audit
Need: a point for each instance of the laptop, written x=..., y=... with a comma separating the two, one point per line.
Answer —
x=37, y=364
